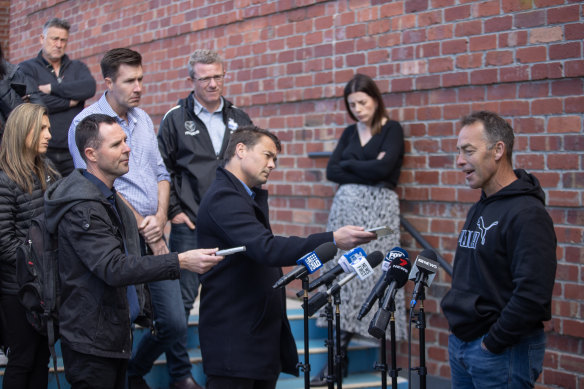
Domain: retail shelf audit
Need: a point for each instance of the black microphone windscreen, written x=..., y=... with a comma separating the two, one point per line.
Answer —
x=426, y=262
x=326, y=251
x=379, y=323
x=375, y=258
x=398, y=271
x=426, y=265
x=430, y=254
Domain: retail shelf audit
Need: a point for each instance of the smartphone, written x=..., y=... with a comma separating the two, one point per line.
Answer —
x=19, y=88
x=380, y=231
x=230, y=251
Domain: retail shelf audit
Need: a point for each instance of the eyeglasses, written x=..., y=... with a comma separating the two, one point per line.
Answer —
x=207, y=80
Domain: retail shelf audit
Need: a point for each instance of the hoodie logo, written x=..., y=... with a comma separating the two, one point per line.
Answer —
x=469, y=239
x=481, y=225
x=191, y=128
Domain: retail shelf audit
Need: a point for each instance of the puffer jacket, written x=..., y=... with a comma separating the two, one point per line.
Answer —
x=17, y=208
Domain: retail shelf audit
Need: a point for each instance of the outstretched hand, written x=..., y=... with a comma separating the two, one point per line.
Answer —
x=199, y=260
x=348, y=237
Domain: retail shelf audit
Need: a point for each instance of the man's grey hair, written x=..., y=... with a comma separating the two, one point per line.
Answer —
x=496, y=129
x=56, y=22
x=204, y=56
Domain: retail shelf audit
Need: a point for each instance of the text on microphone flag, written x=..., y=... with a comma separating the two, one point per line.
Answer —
x=311, y=262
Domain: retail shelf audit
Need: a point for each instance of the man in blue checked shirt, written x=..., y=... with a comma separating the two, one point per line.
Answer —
x=145, y=189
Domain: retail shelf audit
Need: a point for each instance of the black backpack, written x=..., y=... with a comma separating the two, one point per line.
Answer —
x=37, y=275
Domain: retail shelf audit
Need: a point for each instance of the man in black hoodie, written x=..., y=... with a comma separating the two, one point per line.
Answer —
x=504, y=267
x=192, y=139
x=100, y=261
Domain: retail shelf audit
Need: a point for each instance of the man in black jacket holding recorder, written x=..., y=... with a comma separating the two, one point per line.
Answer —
x=100, y=261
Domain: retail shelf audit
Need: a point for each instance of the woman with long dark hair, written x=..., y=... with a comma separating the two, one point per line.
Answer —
x=25, y=174
x=366, y=164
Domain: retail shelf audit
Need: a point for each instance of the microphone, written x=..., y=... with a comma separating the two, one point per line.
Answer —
x=379, y=288
x=396, y=277
x=423, y=272
x=318, y=300
x=309, y=263
x=330, y=275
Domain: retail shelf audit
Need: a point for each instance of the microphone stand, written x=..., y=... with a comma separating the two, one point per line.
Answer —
x=305, y=367
x=394, y=369
x=382, y=365
x=339, y=350
x=329, y=342
x=421, y=325
x=330, y=377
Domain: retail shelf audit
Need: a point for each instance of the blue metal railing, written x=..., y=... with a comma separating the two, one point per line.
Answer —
x=425, y=244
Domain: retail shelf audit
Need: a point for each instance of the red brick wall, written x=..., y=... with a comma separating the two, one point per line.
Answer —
x=4, y=26
x=288, y=61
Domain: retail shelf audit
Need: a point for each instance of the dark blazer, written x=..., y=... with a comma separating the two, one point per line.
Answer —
x=243, y=327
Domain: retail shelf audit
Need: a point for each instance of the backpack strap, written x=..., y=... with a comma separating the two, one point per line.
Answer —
x=51, y=336
x=50, y=284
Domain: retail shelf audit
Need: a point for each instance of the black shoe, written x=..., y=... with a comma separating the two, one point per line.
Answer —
x=137, y=382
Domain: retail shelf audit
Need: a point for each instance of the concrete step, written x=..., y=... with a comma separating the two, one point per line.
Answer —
x=370, y=380
x=362, y=356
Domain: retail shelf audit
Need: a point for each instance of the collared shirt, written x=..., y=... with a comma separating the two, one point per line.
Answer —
x=140, y=185
x=248, y=189
x=214, y=123
x=51, y=69
x=105, y=191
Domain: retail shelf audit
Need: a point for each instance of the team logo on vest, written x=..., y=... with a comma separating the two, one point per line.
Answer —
x=232, y=125
x=469, y=238
x=191, y=128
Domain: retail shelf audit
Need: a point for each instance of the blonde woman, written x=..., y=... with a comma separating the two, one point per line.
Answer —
x=24, y=177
